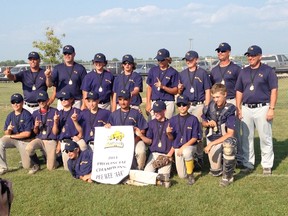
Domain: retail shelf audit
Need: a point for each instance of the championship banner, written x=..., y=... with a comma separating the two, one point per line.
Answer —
x=113, y=154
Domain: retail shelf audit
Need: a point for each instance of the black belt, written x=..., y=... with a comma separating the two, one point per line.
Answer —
x=231, y=98
x=255, y=105
x=91, y=143
x=31, y=104
x=195, y=103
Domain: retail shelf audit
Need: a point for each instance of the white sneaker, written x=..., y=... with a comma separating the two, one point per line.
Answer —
x=34, y=169
x=3, y=171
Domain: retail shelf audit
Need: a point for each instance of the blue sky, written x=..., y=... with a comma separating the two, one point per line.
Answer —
x=140, y=28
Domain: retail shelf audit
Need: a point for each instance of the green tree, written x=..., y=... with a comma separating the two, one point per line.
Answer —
x=51, y=48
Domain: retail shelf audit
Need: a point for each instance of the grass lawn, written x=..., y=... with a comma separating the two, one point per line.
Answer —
x=57, y=193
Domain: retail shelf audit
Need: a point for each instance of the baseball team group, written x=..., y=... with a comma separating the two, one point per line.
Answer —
x=217, y=114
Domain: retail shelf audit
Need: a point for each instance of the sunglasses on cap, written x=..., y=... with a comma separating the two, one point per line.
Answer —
x=39, y=101
x=16, y=102
x=67, y=151
x=181, y=104
x=127, y=63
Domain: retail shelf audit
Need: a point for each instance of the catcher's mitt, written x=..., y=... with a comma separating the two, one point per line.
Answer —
x=161, y=160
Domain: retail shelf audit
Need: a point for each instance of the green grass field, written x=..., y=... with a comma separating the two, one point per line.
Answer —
x=57, y=193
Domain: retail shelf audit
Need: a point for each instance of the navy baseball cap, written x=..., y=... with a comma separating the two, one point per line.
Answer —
x=64, y=95
x=92, y=95
x=70, y=145
x=158, y=106
x=190, y=55
x=162, y=54
x=99, y=57
x=125, y=94
x=68, y=49
x=16, y=98
x=254, y=50
x=42, y=96
x=33, y=55
x=182, y=99
x=128, y=58
x=223, y=47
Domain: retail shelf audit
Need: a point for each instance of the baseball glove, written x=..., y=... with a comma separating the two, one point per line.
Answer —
x=161, y=160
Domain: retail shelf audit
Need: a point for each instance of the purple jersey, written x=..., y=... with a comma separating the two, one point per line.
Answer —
x=157, y=132
x=129, y=82
x=195, y=83
x=169, y=78
x=22, y=122
x=32, y=83
x=82, y=165
x=184, y=129
x=132, y=117
x=225, y=115
x=66, y=126
x=229, y=74
x=69, y=79
x=46, y=125
x=100, y=83
x=89, y=121
x=256, y=84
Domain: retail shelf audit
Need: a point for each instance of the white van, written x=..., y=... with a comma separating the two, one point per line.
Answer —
x=19, y=67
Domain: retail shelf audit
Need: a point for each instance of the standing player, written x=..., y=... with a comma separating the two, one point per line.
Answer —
x=219, y=119
x=195, y=84
x=129, y=116
x=162, y=83
x=157, y=139
x=100, y=81
x=92, y=117
x=256, y=96
x=130, y=81
x=183, y=129
x=17, y=131
x=33, y=81
x=67, y=76
x=66, y=125
x=227, y=72
x=45, y=139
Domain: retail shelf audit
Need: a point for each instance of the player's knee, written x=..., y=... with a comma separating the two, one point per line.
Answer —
x=229, y=148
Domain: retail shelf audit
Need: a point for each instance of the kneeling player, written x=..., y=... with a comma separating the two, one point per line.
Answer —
x=219, y=119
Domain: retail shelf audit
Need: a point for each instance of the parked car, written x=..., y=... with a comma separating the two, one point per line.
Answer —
x=204, y=64
x=114, y=67
x=19, y=67
x=276, y=61
x=144, y=68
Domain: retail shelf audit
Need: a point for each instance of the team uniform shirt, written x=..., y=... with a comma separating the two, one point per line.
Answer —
x=62, y=76
x=100, y=83
x=22, y=122
x=132, y=117
x=225, y=115
x=169, y=78
x=256, y=84
x=157, y=132
x=184, y=129
x=32, y=83
x=66, y=126
x=89, y=121
x=229, y=74
x=129, y=82
x=195, y=83
x=82, y=165
x=46, y=125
